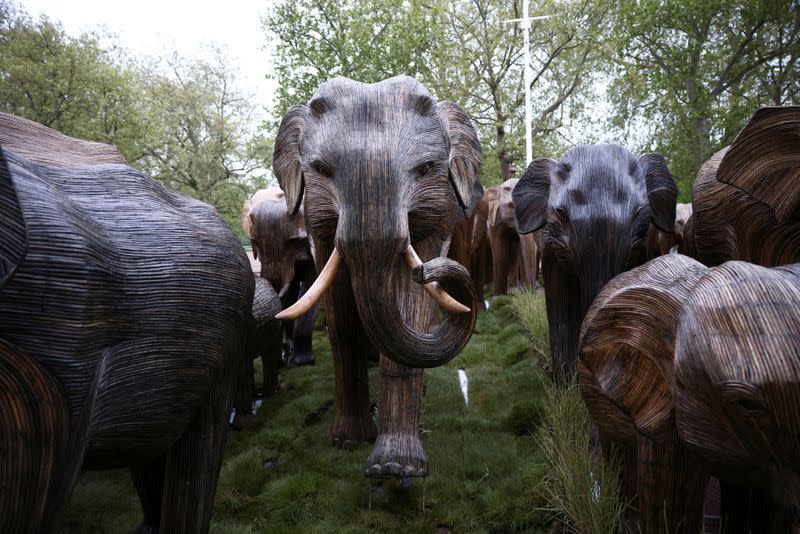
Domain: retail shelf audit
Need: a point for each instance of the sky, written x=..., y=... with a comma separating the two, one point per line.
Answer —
x=149, y=27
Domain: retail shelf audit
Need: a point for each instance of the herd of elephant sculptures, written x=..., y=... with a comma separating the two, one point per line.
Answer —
x=130, y=314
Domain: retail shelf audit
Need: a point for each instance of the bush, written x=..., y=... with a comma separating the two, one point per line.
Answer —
x=529, y=308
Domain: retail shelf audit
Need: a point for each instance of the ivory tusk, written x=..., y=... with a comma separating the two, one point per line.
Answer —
x=322, y=283
x=439, y=295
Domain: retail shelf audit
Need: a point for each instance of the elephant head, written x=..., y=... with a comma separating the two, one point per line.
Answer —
x=737, y=376
x=594, y=206
x=279, y=239
x=384, y=166
x=626, y=373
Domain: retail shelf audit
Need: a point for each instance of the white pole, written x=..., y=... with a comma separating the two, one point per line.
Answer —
x=526, y=26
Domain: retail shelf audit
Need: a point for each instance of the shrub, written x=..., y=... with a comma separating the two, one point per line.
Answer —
x=529, y=308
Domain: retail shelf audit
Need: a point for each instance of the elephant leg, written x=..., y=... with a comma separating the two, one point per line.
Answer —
x=528, y=251
x=244, y=395
x=745, y=510
x=271, y=362
x=671, y=485
x=398, y=452
x=148, y=479
x=504, y=262
x=34, y=424
x=193, y=464
x=304, y=325
x=351, y=350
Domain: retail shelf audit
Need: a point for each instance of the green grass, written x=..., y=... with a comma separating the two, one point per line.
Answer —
x=487, y=461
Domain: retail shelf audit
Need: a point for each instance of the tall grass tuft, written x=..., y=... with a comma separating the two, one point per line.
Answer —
x=529, y=308
x=582, y=489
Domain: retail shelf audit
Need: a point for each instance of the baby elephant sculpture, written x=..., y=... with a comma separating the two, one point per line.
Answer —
x=688, y=371
x=281, y=244
x=594, y=206
x=746, y=199
x=123, y=315
x=387, y=173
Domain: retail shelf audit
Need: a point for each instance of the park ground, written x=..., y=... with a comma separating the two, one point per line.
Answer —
x=493, y=463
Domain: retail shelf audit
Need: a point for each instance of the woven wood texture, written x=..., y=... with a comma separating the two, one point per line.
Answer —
x=123, y=313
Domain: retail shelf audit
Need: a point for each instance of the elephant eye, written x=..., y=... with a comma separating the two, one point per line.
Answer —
x=321, y=168
x=424, y=169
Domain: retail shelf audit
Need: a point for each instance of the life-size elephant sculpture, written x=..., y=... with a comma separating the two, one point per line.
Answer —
x=515, y=256
x=746, y=199
x=688, y=371
x=387, y=173
x=594, y=207
x=123, y=315
x=280, y=242
x=264, y=340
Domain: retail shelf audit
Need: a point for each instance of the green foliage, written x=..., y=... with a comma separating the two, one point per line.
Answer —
x=692, y=72
x=529, y=308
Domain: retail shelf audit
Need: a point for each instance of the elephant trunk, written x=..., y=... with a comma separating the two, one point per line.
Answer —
x=379, y=290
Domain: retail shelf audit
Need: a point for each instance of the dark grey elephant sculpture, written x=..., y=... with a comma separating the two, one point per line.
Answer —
x=280, y=242
x=123, y=315
x=387, y=173
x=595, y=205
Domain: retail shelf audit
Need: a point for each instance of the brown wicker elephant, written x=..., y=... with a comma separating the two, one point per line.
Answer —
x=124, y=311
x=280, y=242
x=515, y=256
x=745, y=198
x=594, y=206
x=689, y=371
x=385, y=173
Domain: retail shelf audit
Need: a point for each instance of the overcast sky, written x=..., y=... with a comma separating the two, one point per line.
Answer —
x=146, y=27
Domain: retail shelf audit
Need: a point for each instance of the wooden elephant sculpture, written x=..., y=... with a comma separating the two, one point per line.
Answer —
x=662, y=340
x=123, y=315
x=594, y=207
x=264, y=341
x=280, y=242
x=745, y=197
x=660, y=243
x=384, y=172
x=515, y=256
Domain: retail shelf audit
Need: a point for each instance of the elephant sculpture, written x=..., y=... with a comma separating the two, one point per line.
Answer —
x=594, y=207
x=123, y=317
x=387, y=173
x=281, y=244
x=264, y=340
x=515, y=256
x=746, y=199
x=689, y=371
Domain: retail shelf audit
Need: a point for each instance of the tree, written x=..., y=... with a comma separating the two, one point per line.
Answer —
x=368, y=41
x=693, y=71
x=482, y=68
x=199, y=129
x=71, y=84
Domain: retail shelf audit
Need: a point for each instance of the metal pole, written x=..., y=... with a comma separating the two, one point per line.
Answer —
x=526, y=26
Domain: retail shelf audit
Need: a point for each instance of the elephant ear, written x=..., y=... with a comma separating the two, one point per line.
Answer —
x=14, y=244
x=764, y=161
x=286, y=157
x=465, y=159
x=531, y=195
x=628, y=340
x=662, y=193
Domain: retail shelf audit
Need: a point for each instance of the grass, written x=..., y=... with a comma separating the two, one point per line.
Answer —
x=490, y=464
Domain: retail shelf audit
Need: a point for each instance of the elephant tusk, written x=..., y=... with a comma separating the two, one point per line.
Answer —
x=320, y=285
x=439, y=295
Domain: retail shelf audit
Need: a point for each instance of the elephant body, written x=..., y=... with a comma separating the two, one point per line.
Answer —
x=594, y=207
x=280, y=242
x=689, y=372
x=386, y=173
x=123, y=318
x=515, y=256
x=746, y=202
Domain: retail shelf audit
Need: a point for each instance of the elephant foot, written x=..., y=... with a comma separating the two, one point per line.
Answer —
x=148, y=529
x=302, y=358
x=348, y=430
x=397, y=455
x=241, y=421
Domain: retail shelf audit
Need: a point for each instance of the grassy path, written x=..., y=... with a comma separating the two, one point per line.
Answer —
x=282, y=475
